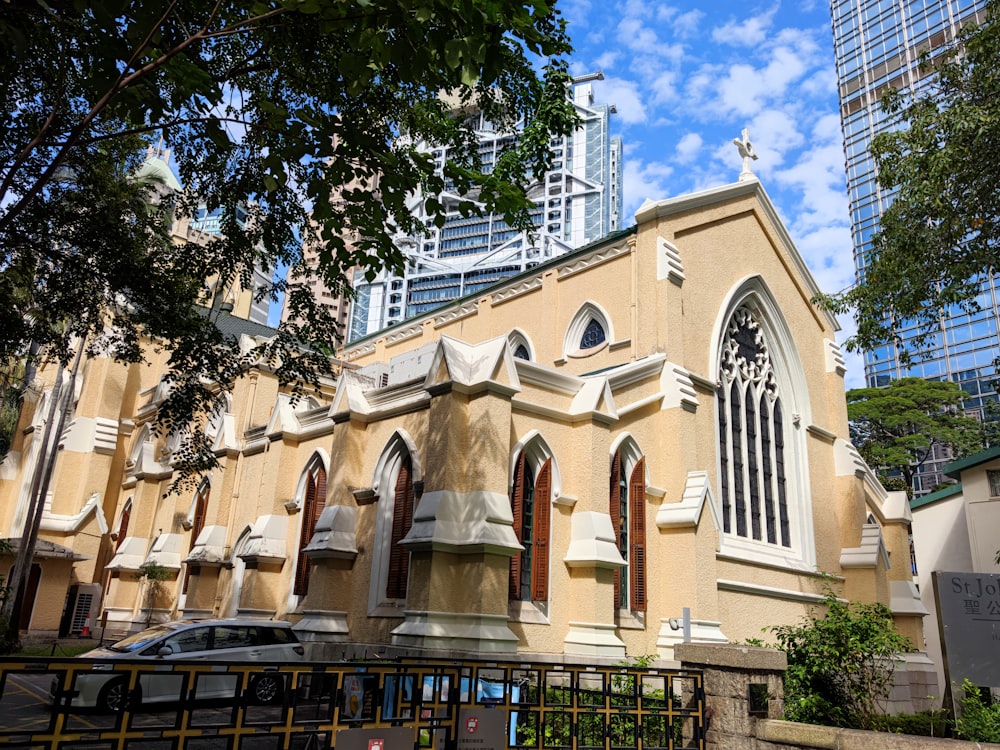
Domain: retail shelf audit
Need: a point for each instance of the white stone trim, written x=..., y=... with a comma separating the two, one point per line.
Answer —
x=324, y=625
x=463, y=522
x=668, y=262
x=455, y=631
x=592, y=542
x=702, y=631
x=593, y=639
x=335, y=534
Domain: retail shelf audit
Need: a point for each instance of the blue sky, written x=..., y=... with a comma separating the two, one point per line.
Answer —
x=687, y=77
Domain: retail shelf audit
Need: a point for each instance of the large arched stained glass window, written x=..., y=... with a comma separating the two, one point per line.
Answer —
x=751, y=436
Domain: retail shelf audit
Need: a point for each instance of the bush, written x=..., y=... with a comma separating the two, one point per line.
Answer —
x=980, y=719
x=934, y=723
x=840, y=664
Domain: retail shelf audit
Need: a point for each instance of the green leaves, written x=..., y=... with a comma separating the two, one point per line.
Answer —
x=896, y=428
x=840, y=663
x=270, y=108
x=941, y=232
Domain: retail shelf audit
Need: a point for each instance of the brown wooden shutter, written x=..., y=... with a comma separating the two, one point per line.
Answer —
x=637, y=536
x=517, y=510
x=615, y=509
x=540, y=552
x=402, y=520
x=123, y=526
x=312, y=508
x=197, y=524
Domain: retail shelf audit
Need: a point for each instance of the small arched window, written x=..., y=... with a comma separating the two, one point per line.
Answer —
x=522, y=352
x=199, y=509
x=589, y=332
x=628, y=519
x=404, y=498
x=313, y=502
x=123, y=524
x=530, y=505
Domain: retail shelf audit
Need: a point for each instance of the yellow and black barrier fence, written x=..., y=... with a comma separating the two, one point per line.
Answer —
x=80, y=704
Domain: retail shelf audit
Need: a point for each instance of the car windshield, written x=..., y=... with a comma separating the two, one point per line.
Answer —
x=137, y=641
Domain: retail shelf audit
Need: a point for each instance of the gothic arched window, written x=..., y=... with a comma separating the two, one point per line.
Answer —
x=628, y=519
x=313, y=502
x=751, y=436
x=530, y=504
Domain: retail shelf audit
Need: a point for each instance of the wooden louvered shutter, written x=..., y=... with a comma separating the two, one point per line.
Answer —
x=517, y=510
x=402, y=520
x=615, y=509
x=123, y=526
x=540, y=551
x=197, y=524
x=314, y=503
x=637, y=536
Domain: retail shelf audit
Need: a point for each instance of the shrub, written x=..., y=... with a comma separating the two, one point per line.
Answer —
x=840, y=664
x=935, y=723
x=980, y=719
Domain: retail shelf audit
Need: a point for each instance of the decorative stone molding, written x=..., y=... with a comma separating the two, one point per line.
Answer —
x=592, y=542
x=687, y=513
x=678, y=388
x=456, y=313
x=166, y=551
x=334, y=535
x=593, y=639
x=593, y=259
x=904, y=599
x=456, y=631
x=517, y=290
x=463, y=522
x=834, y=357
x=129, y=556
x=866, y=555
x=323, y=625
x=668, y=262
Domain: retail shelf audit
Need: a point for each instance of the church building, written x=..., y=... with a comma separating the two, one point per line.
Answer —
x=563, y=465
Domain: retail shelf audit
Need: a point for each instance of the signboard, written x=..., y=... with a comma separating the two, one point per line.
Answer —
x=481, y=729
x=388, y=738
x=969, y=615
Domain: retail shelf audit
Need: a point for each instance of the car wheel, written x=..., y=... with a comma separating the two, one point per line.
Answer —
x=114, y=697
x=267, y=689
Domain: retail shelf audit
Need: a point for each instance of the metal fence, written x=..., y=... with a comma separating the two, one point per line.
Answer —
x=78, y=704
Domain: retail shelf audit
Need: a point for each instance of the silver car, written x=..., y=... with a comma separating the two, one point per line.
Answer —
x=205, y=640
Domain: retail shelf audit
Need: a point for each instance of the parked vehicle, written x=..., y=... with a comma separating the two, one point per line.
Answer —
x=206, y=640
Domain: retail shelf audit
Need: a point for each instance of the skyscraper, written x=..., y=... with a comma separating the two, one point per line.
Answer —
x=577, y=202
x=878, y=45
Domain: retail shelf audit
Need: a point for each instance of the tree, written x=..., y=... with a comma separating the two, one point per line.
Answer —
x=840, y=663
x=939, y=236
x=896, y=428
x=299, y=116
x=302, y=113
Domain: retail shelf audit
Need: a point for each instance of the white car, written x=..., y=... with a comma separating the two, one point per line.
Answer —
x=205, y=640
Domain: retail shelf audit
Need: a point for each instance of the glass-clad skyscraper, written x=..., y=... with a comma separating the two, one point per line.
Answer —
x=578, y=201
x=878, y=45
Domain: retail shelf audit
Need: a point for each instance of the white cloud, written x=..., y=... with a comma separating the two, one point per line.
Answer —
x=625, y=95
x=688, y=148
x=644, y=180
x=746, y=33
x=686, y=24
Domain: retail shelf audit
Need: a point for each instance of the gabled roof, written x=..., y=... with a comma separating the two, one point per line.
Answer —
x=955, y=468
x=941, y=494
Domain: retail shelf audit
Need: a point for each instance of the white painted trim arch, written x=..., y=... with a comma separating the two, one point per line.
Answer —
x=753, y=293
x=517, y=338
x=587, y=312
x=398, y=447
x=319, y=458
x=536, y=452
